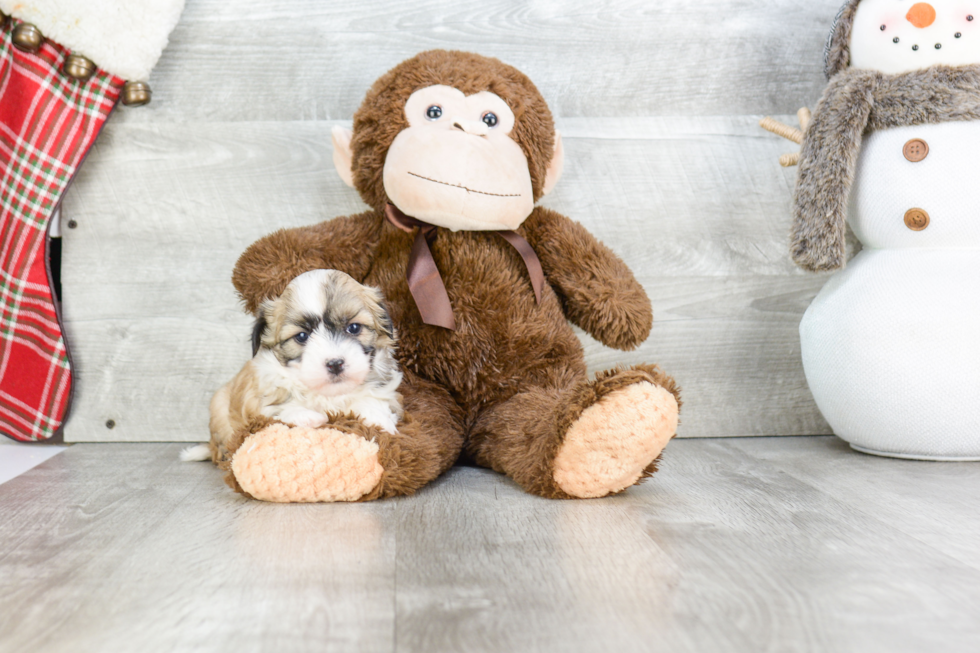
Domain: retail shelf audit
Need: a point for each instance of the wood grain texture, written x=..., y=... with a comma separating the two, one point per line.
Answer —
x=698, y=207
x=738, y=545
x=904, y=493
x=144, y=553
x=287, y=60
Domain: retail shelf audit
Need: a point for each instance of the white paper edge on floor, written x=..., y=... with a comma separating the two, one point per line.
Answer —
x=17, y=457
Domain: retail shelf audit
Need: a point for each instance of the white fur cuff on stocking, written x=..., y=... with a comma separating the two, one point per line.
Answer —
x=122, y=37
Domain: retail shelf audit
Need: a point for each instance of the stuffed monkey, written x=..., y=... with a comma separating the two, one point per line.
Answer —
x=451, y=151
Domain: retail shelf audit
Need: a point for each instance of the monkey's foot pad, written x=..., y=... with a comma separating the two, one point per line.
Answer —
x=615, y=439
x=304, y=465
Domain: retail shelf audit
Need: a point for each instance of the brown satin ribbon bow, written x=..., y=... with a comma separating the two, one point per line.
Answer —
x=424, y=280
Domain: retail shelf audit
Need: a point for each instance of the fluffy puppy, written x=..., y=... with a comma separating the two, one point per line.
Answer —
x=326, y=345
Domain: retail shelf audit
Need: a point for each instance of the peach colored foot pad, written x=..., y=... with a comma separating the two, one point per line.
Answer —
x=613, y=441
x=286, y=465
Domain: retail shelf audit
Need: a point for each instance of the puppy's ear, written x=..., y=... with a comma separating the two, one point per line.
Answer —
x=384, y=320
x=257, y=332
x=381, y=316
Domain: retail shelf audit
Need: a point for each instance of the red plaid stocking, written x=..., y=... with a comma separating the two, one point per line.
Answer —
x=48, y=121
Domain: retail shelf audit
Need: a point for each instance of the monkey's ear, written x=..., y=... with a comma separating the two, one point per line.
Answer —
x=342, y=154
x=555, y=167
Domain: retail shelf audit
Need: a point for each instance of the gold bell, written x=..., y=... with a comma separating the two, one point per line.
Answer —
x=28, y=38
x=79, y=67
x=136, y=94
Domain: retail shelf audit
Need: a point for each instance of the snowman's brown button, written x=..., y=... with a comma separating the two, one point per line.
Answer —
x=916, y=219
x=916, y=150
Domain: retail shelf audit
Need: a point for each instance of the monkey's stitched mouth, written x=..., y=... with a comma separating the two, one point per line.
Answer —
x=468, y=190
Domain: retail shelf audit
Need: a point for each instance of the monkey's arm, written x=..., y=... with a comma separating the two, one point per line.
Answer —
x=598, y=291
x=346, y=244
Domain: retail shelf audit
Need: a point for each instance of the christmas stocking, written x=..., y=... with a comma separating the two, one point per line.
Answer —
x=63, y=67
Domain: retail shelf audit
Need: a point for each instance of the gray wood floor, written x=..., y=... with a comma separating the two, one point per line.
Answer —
x=761, y=544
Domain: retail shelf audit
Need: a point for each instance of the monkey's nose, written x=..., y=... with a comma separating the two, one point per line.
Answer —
x=335, y=366
x=475, y=127
x=922, y=14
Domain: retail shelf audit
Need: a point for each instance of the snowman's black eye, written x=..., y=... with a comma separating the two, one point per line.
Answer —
x=882, y=28
x=957, y=35
x=915, y=47
x=939, y=45
x=895, y=40
x=490, y=119
x=434, y=112
x=970, y=17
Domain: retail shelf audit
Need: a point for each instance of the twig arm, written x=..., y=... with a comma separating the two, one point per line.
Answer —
x=778, y=128
x=789, y=133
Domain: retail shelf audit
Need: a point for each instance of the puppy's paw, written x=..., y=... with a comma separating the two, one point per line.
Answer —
x=297, y=416
x=382, y=417
x=390, y=424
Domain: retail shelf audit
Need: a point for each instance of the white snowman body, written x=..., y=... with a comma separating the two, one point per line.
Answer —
x=891, y=344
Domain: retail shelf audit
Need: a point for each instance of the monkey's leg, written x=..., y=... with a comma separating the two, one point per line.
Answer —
x=584, y=439
x=428, y=441
x=346, y=460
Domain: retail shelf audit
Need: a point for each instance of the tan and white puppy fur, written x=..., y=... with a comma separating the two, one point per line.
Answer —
x=325, y=346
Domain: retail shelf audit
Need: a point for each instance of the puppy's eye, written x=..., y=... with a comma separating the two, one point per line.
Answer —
x=490, y=119
x=354, y=328
x=434, y=112
x=301, y=337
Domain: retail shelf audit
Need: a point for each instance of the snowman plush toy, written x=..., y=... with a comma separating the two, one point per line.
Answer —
x=891, y=344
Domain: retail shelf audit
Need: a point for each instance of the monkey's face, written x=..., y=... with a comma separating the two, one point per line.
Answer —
x=455, y=165
x=895, y=36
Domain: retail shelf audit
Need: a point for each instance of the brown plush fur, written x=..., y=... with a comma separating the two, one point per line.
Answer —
x=511, y=378
x=286, y=256
x=854, y=103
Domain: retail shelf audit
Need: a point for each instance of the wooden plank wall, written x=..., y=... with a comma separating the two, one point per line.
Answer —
x=658, y=105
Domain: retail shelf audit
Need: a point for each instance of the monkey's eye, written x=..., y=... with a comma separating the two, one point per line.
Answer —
x=490, y=119
x=301, y=337
x=434, y=112
x=353, y=328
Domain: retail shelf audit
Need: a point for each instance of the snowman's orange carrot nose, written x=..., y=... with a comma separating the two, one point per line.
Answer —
x=921, y=14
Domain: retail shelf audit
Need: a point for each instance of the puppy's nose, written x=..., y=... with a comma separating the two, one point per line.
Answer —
x=336, y=366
